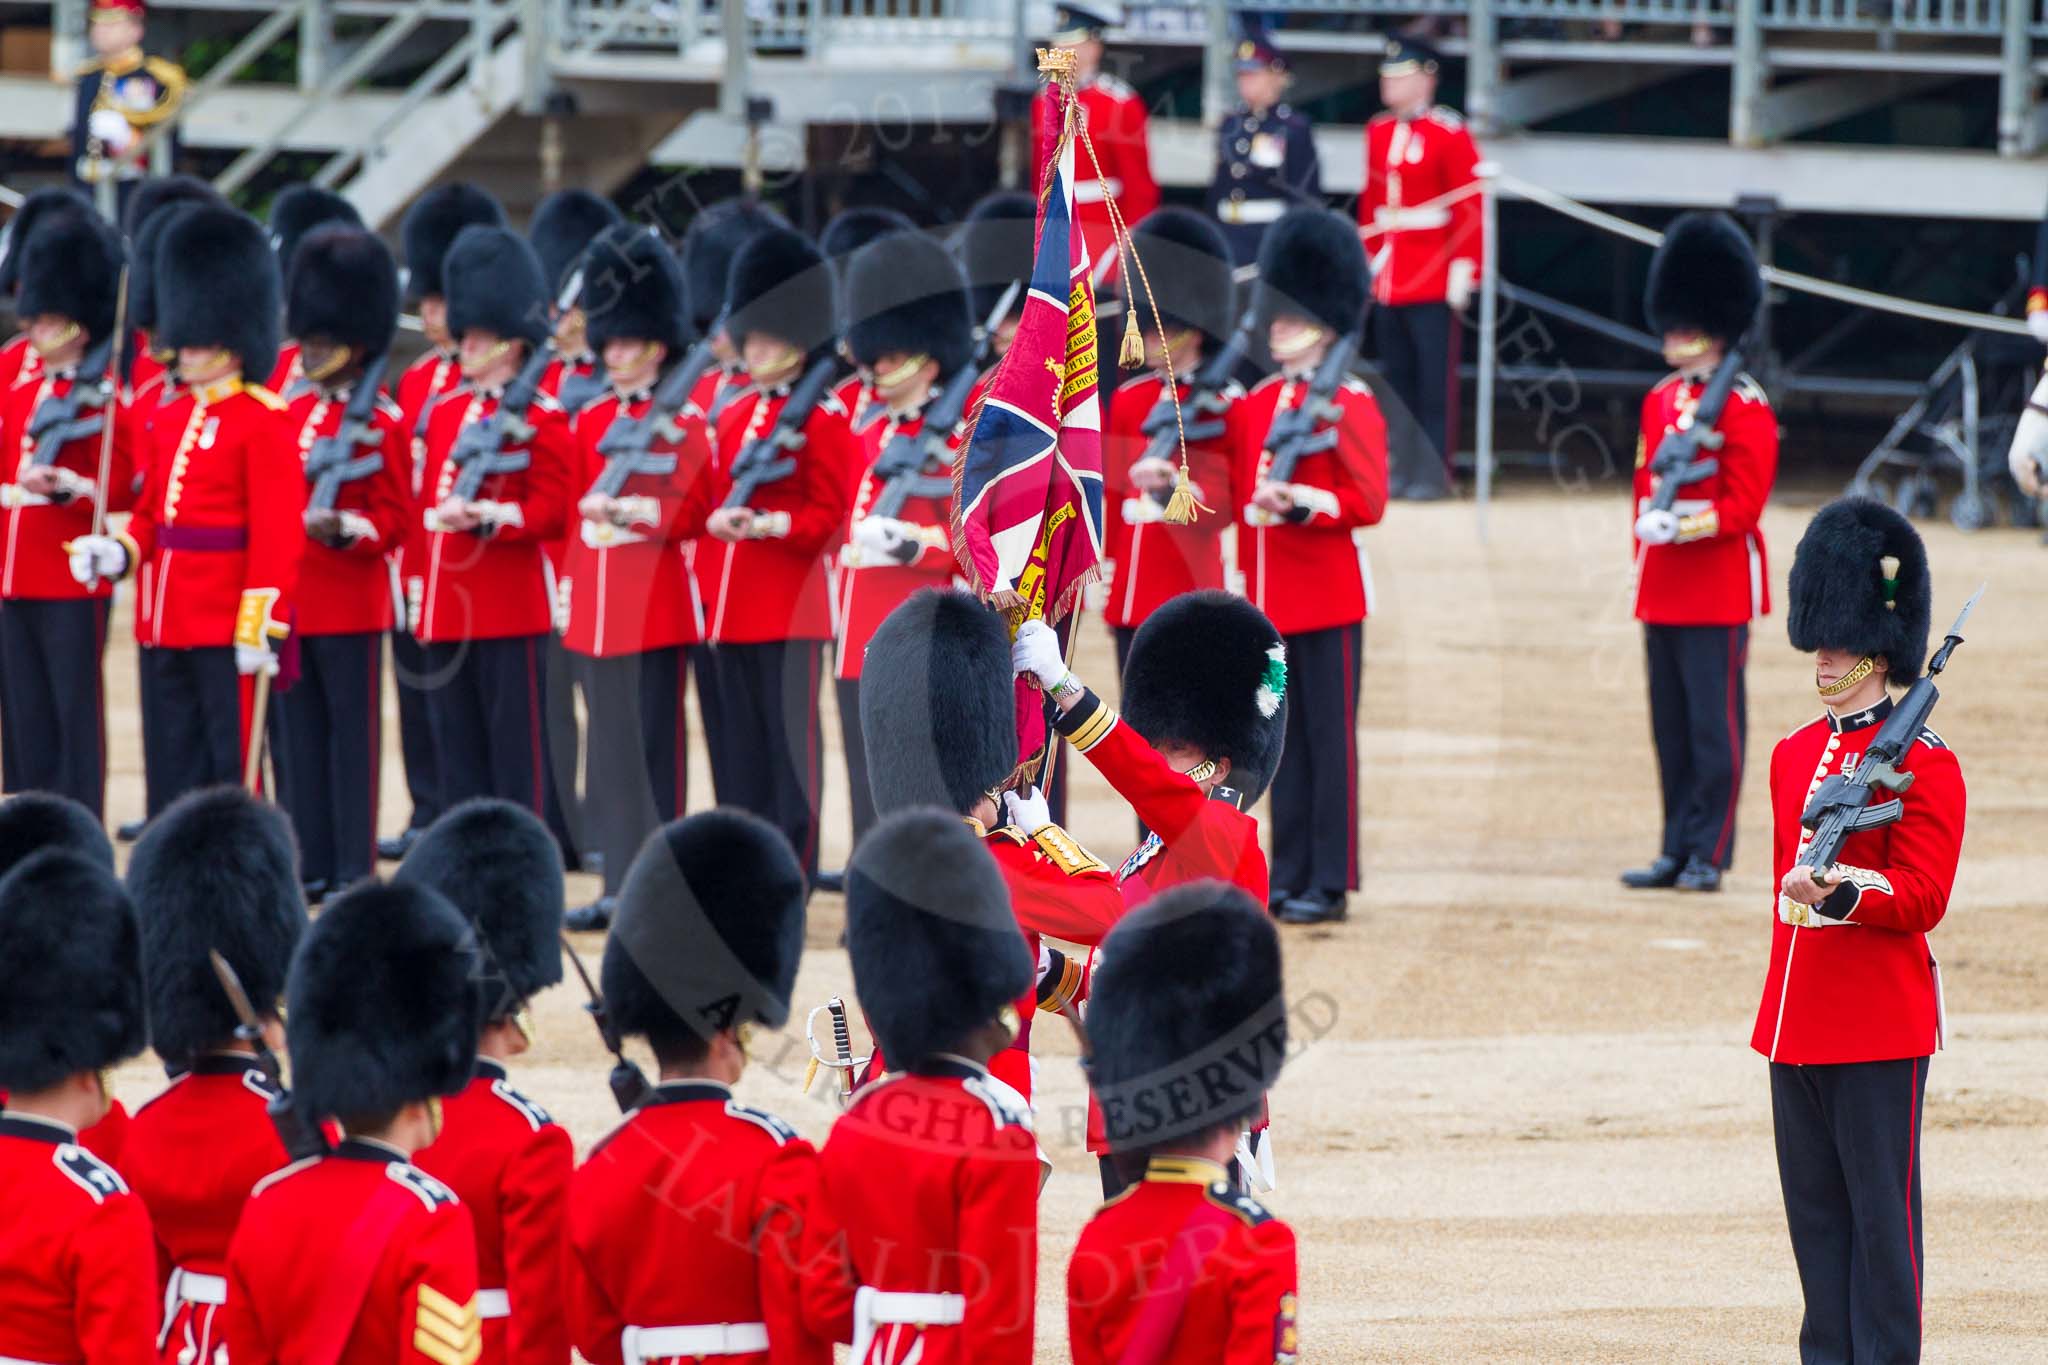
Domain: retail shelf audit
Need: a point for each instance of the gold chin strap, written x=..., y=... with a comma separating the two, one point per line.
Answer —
x=773, y=373
x=434, y=1117
x=745, y=1034
x=902, y=374
x=1863, y=669
x=322, y=362
x=1303, y=342
x=629, y=369
x=71, y=331
x=1686, y=350
x=488, y=358
x=1007, y=1017
x=522, y=1019
x=1202, y=771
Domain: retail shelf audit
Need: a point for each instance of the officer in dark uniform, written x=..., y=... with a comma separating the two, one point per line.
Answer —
x=1265, y=155
x=119, y=97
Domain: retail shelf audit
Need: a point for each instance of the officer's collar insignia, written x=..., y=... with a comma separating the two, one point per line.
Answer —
x=1861, y=720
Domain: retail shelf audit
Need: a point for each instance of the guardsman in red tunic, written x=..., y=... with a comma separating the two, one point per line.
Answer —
x=360, y=1257
x=1206, y=688
x=941, y=1257
x=1851, y=1013
x=842, y=238
x=1699, y=565
x=51, y=201
x=214, y=873
x=219, y=522
x=341, y=302
x=768, y=606
x=1182, y=1266
x=53, y=431
x=77, y=1264
x=30, y=823
x=1156, y=561
x=938, y=710
x=642, y=476
x=296, y=212
x=1115, y=119
x=506, y=1160
x=908, y=329
x=1419, y=215
x=710, y=932
x=427, y=231
x=489, y=604
x=1300, y=554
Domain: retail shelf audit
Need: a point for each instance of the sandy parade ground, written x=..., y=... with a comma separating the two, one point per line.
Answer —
x=1524, y=1123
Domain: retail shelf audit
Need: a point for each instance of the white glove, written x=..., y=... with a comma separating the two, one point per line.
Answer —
x=880, y=538
x=1658, y=526
x=2029, y=445
x=113, y=131
x=96, y=557
x=1037, y=654
x=254, y=659
x=1028, y=813
x=1459, y=280
x=2037, y=323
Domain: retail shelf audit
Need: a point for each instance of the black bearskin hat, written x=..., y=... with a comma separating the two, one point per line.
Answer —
x=563, y=227
x=492, y=280
x=1311, y=265
x=498, y=865
x=852, y=229
x=1187, y=1024
x=1189, y=261
x=40, y=206
x=709, y=930
x=781, y=287
x=383, y=1004
x=160, y=192
x=430, y=227
x=1844, y=594
x=936, y=950
x=72, y=266
x=74, y=971
x=713, y=239
x=1704, y=278
x=938, y=703
x=33, y=821
x=217, y=284
x=995, y=246
x=343, y=287
x=905, y=293
x=633, y=289
x=145, y=254
x=216, y=871
x=297, y=210
x=1209, y=670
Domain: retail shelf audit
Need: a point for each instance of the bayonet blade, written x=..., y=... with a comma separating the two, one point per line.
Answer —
x=224, y=972
x=1955, y=631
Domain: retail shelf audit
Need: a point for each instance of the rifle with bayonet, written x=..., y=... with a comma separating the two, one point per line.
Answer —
x=1202, y=413
x=479, y=447
x=625, y=443
x=772, y=455
x=1294, y=435
x=59, y=421
x=1678, y=463
x=299, y=1132
x=333, y=460
x=1848, y=804
x=629, y=1084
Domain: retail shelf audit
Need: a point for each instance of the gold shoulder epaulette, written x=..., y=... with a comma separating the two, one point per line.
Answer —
x=1066, y=854
x=1010, y=832
x=266, y=397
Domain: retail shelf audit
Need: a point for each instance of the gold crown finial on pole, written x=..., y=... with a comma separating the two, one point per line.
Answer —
x=1057, y=64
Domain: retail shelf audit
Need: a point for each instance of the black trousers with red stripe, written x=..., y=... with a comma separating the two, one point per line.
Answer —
x=332, y=739
x=1315, y=792
x=415, y=728
x=1418, y=354
x=192, y=721
x=711, y=711
x=1699, y=720
x=774, y=754
x=637, y=777
x=1849, y=1163
x=486, y=700
x=566, y=818
x=52, y=709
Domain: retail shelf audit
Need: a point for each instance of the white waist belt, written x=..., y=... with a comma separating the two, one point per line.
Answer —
x=1401, y=220
x=1238, y=212
x=14, y=495
x=193, y=1287
x=874, y=1308
x=1095, y=191
x=17, y=1360
x=493, y=1303
x=708, y=1339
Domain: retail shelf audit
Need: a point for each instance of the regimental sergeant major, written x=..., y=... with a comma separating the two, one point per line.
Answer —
x=1265, y=151
x=1115, y=118
x=219, y=522
x=1851, y=1012
x=1700, y=574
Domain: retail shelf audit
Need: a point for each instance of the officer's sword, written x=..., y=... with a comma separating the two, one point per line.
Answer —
x=301, y=1138
x=842, y=1059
